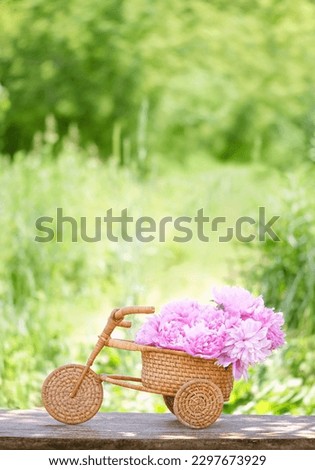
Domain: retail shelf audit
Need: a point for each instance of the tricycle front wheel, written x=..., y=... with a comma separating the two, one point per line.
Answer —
x=198, y=403
x=56, y=394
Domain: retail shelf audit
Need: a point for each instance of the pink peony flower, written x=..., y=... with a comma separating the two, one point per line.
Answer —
x=240, y=330
x=166, y=330
x=185, y=311
x=273, y=321
x=237, y=301
x=149, y=332
x=246, y=344
x=201, y=341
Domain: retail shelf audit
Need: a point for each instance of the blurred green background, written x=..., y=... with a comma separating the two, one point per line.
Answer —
x=162, y=109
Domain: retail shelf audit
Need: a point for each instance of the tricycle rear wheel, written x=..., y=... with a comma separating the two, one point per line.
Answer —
x=198, y=403
x=169, y=402
x=56, y=394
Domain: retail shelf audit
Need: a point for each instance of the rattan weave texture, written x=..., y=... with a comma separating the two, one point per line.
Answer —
x=166, y=371
x=57, y=389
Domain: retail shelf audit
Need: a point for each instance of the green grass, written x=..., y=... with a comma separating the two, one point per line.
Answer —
x=55, y=297
x=285, y=271
x=283, y=384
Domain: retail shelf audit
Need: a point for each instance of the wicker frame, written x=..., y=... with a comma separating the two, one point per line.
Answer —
x=193, y=388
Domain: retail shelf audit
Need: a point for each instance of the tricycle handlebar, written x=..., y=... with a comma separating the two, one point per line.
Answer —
x=119, y=314
x=116, y=318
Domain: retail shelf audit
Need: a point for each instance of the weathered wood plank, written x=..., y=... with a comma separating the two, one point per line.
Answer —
x=37, y=430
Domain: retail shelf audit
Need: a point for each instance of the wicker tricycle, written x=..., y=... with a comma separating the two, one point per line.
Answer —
x=193, y=389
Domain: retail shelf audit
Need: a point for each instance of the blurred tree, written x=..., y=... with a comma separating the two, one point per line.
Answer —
x=71, y=61
x=231, y=80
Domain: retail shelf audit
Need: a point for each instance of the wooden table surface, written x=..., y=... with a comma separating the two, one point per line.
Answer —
x=35, y=429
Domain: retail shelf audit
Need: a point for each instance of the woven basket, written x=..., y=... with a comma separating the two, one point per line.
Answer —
x=168, y=370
